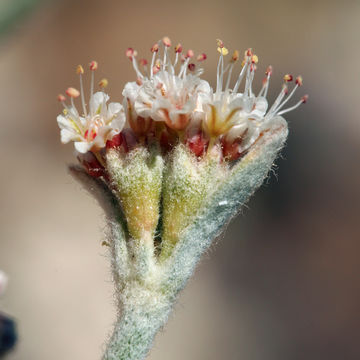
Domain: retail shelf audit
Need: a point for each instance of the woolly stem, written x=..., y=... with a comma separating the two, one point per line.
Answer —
x=144, y=312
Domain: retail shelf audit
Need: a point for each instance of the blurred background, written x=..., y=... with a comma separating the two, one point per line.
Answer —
x=284, y=280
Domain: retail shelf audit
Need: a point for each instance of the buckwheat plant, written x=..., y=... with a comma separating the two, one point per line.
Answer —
x=171, y=166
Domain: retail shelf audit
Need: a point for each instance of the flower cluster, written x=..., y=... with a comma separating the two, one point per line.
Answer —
x=169, y=103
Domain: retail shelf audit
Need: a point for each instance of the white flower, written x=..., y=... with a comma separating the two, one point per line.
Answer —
x=3, y=282
x=90, y=130
x=166, y=96
x=242, y=117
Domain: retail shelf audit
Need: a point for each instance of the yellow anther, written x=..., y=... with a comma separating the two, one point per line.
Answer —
x=223, y=50
x=103, y=83
x=288, y=78
x=235, y=56
x=255, y=59
x=79, y=70
x=65, y=112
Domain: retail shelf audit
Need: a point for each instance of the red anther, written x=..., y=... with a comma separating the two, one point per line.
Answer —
x=191, y=67
x=93, y=65
x=91, y=165
x=143, y=62
x=129, y=53
x=166, y=41
x=197, y=143
x=72, y=92
x=269, y=70
x=115, y=142
x=220, y=43
x=249, y=52
x=305, y=98
x=190, y=54
x=299, y=81
x=201, y=57
x=178, y=48
x=61, y=98
x=155, y=48
x=288, y=78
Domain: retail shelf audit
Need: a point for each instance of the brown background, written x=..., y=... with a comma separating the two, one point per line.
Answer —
x=283, y=282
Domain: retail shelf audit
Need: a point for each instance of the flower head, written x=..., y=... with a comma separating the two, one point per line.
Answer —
x=98, y=123
x=239, y=118
x=170, y=103
x=164, y=94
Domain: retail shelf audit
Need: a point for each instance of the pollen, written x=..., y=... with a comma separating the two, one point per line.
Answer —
x=155, y=48
x=288, y=78
x=103, y=83
x=72, y=92
x=93, y=65
x=79, y=70
x=61, y=98
x=166, y=41
x=223, y=50
x=178, y=48
x=235, y=56
x=201, y=57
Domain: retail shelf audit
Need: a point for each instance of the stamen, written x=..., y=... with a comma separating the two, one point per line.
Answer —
x=242, y=73
x=298, y=83
x=131, y=54
x=303, y=100
x=154, y=49
x=93, y=66
x=278, y=100
x=167, y=43
x=234, y=58
x=268, y=73
x=188, y=56
x=178, y=50
x=80, y=72
x=220, y=74
x=73, y=93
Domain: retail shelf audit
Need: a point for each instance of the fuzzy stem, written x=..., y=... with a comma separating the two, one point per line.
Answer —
x=144, y=313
